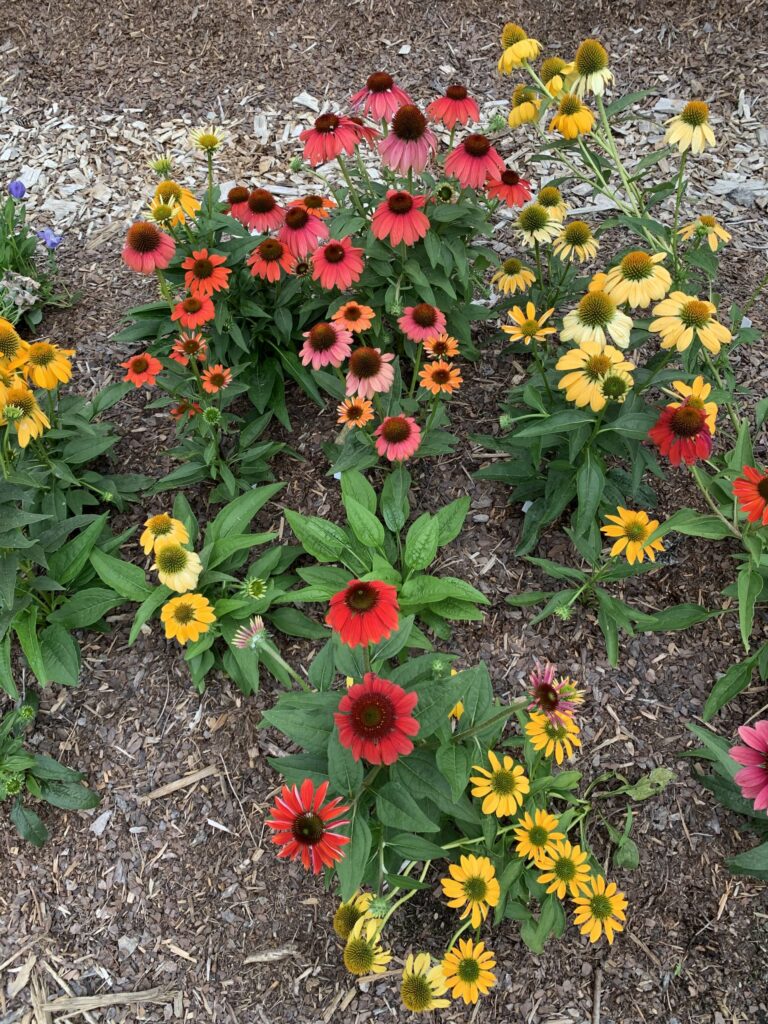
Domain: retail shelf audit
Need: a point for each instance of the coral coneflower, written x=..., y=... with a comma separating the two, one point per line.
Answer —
x=468, y=970
x=375, y=720
x=337, y=264
x=690, y=129
x=216, y=378
x=418, y=323
x=237, y=198
x=147, y=249
x=187, y=617
x=188, y=346
x=305, y=827
x=682, y=434
x=325, y=344
x=597, y=318
x=502, y=787
x=751, y=491
x=177, y=568
x=525, y=106
x=354, y=317
x=369, y=371
x=600, y=909
x=194, y=311
x=537, y=835
x=185, y=203
x=161, y=527
x=631, y=531
x=205, y=273
x=753, y=777
x=572, y=118
x=365, y=132
x=380, y=98
x=474, y=161
x=439, y=377
x=19, y=407
x=302, y=232
x=355, y=412
x=587, y=366
x=455, y=107
x=318, y=206
x=528, y=326
x=365, y=612
x=513, y=276
x=564, y=869
x=400, y=219
x=47, y=365
x=680, y=318
x=410, y=142
x=443, y=346
x=554, y=698
x=142, y=369
x=270, y=259
x=397, y=437
x=330, y=136
x=473, y=885
x=705, y=226
x=509, y=187
x=638, y=279
x=518, y=48
x=263, y=212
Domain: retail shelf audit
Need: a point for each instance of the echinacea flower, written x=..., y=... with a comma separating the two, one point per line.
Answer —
x=696, y=394
x=528, y=326
x=364, y=953
x=615, y=385
x=601, y=909
x=397, y=437
x=207, y=139
x=216, y=378
x=422, y=985
x=751, y=491
x=355, y=412
x=318, y=206
x=680, y=318
x=553, y=72
x=263, y=212
x=409, y=143
x=474, y=161
x=329, y=137
x=502, y=788
x=472, y=884
x=8, y=379
x=337, y=264
x=587, y=366
x=186, y=408
x=705, y=226
x=399, y=218
x=353, y=316
x=690, y=129
x=576, y=242
x=554, y=738
x=525, y=106
x=188, y=346
x=509, y=187
x=555, y=698
x=518, y=48
x=350, y=911
x=752, y=779
x=46, y=364
x=380, y=97
x=551, y=198
x=252, y=636
x=513, y=276
x=468, y=970
x=325, y=344
x=142, y=369
x=177, y=568
x=418, y=323
x=631, y=532
x=597, y=318
x=237, y=198
x=270, y=259
x=590, y=69
x=194, y=311
x=187, y=617
x=306, y=828
x=536, y=836
x=440, y=377
x=572, y=118
x=564, y=869
x=147, y=249
x=375, y=720
x=536, y=225
x=185, y=203
x=205, y=273
x=639, y=279
x=365, y=612
x=365, y=132
x=19, y=407
x=369, y=372
x=162, y=527
x=455, y=107
x=443, y=346
x=682, y=434
x=301, y=232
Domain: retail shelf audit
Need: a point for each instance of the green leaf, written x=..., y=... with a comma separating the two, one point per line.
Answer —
x=67, y=563
x=28, y=825
x=415, y=847
x=450, y=520
x=364, y=524
x=752, y=862
x=455, y=765
x=125, y=578
x=717, y=747
x=69, y=796
x=351, y=868
x=146, y=610
x=729, y=685
x=396, y=808
x=235, y=517
x=431, y=589
x=345, y=773
x=292, y=622
x=421, y=542
x=559, y=423
x=25, y=627
x=749, y=584
x=694, y=524
x=320, y=538
x=590, y=482
x=395, y=508
x=354, y=485
x=61, y=655
x=85, y=608
x=436, y=698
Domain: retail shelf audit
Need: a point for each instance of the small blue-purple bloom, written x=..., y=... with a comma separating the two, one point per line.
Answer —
x=16, y=189
x=49, y=238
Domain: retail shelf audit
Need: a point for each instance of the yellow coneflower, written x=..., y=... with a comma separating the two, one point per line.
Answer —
x=472, y=884
x=601, y=908
x=164, y=211
x=19, y=407
x=590, y=69
x=552, y=73
x=537, y=835
x=364, y=953
x=46, y=364
x=187, y=617
x=572, y=118
x=680, y=318
x=528, y=326
x=12, y=348
x=705, y=226
x=565, y=870
x=639, y=279
x=695, y=395
x=502, y=788
x=162, y=527
x=187, y=205
x=551, y=198
x=207, y=139
x=513, y=276
x=468, y=970
x=631, y=531
x=690, y=129
x=8, y=379
x=177, y=568
x=422, y=984
x=615, y=385
x=597, y=318
x=350, y=911
x=576, y=242
x=525, y=106
x=554, y=738
x=587, y=367
x=518, y=48
x=536, y=225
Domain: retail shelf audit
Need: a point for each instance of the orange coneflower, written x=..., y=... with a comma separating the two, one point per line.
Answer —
x=205, y=273
x=216, y=378
x=444, y=346
x=354, y=317
x=187, y=345
x=317, y=206
x=142, y=369
x=193, y=311
x=440, y=377
x=355, y=412
x=269, y=259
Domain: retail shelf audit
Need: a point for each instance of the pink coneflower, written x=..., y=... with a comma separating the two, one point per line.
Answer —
x=381, y=98
x=399, y=218
x=188, y=346
x=326, y=344
x=397, y=437
x=474, y=161
x=269, y=259
x=557, y=699
x=331, y=136
x=193, y=311
x=410, y=142
x=237, y=198
x=263, y=213
x=369, y=371
x=510, y=187
x=753, y=777
x=422, y=322
x=338, y=264
x=147, y=249
x=250, y=637
x=365, y=132
x=455, y=107
x=301, y=233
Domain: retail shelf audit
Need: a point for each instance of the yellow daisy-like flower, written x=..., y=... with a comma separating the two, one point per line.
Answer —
x=572, y=118
x=551, y=198
x=8, y=379
x=602, y=908
x=46, y=364
x=565, y=870
x=502, y=788
x=576, y=242
x=537, y=835
x=422, y=984
x=162, y=527
x=364, y=953
x=187, y=617
x=187, y=205
x=19, y=407
x=680, y=318
x=615, y=386
x=472, y=885
x=690, y=129
x=177, y=568
x=632, y=530
x=513, y=276
x=697, y=394
x=165, y=211
x=528, y=326
x=554, y=738
x=552, y=73
x=207, y=139
x=350, y=912
x=525, y=106
x=706, y=226
x=536, y=225
x=12, y=348
x=468, y=970
x=588, y=365
x=518, y=47
x=458, y=708
x=638, y=279
x=597, y=318
x=590, y=71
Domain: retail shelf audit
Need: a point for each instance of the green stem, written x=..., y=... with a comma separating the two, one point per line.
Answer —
x=416, y=365
x=435, y=403
x=676, y=219
x=632, y=193
x=165, y=288
x=351, y=190
x=517, y=705
x=542, y=371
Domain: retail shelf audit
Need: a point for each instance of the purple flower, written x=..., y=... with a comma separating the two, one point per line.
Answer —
x=16, y=189
x=49, y=238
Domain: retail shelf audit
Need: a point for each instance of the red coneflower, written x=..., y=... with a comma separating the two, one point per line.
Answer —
x=365, y=132
x=264, y=212
x=473, y=161
x=399, y=218
x=355, y=412
x=237, y=198
x=318, y=206
x=147, y=249
x=419, y=323
x=205, y=274
x=364, y=612
x=338, y=264
x=397, y=437
x=410, y=142
x=751, y=490
x=375, y=721
x=216, y=378
x=369, y=371
x=326, y=344
x=301, y=232
x=510, y=187
x=455, y=107
x=354, y=317
x=753, y=777
x=269, y=259
x=682, y=433
x=186, y=408
x=380, y=98
x=193, y=311
x=142, y=369
x=305, y=826
x=331, y=136
x=186, y=346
